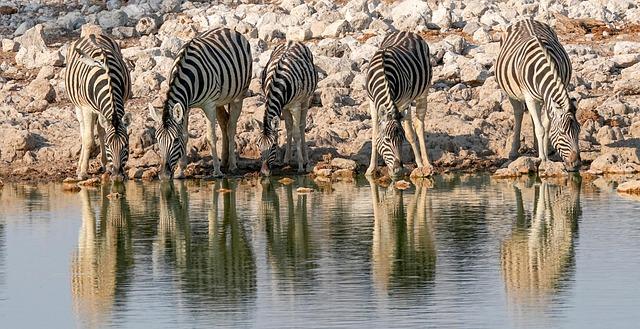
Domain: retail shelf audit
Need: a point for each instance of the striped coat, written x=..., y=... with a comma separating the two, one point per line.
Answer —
x=98, y=85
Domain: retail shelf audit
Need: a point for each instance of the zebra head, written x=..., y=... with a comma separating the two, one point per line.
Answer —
x=116, y=144
x=389, y=143
x=267, y=142
x=564, y=133
x=171, y=144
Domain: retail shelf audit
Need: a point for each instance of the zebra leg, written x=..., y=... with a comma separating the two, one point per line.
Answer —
x=411, y=138
x=103, y=151
x=88, y=120
x=535, y=110
x=235, y=108
x=223, y=122
x=373, y=163
x=421, y=112
x=518, y=113
x=182, y=163
x=210, y=112
x=296, y=112
x=546, y=123
x=288, y=124
x=303, y=128
x=80, y=118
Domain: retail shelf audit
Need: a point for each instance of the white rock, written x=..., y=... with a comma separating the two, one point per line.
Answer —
x=408, y=14
x=337, y=29
x=146, y=25
x=33, y=52
x=298, y=33
x=442, y=17
x=626, y=47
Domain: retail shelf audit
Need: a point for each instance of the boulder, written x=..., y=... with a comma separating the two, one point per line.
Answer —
x=33, y=52
x=111, y=19
x=551, y=169
x=341, y=163
x=146, y=25
x=41, y=89
x=630, y=187
x=409, y=14
x=521, y=166
x=337, y=29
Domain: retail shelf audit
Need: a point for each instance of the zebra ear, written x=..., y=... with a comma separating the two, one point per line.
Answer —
x=102, y=120
x=126, y=119
x=88, y=60
x=154, y=114
x=177, y=112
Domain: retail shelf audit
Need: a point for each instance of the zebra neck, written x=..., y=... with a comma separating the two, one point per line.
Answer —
x=272, y=109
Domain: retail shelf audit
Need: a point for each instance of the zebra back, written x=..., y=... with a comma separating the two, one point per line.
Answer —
x=215, y=66
x=399, y=71
x=289, y=76
x=525, y=45
x=97, y=77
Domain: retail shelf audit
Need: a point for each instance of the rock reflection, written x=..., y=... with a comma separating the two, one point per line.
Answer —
x=538, y=258
x=104, y=258
x=403, y=251
x=290, y=249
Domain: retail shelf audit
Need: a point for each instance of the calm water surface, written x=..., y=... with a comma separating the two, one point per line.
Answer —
x=458, y=252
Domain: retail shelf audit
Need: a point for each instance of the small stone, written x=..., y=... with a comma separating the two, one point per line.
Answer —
x=422, y=172
x=135, y=173
x=304, y=190
x=551, y=169
x=111, y=19
x=90, y=182
x=286, y=181
x=150, y=174
x=402, y=185
x=147, y=25
x=337, y=29
x=341, y=163
x=630, y=187
x=9, y=45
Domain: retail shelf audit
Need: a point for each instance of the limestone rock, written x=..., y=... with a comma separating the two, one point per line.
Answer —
x=33, y=52
x=551, y=169
x=630, y=187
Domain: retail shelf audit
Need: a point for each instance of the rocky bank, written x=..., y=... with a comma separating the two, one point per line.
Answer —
x=469, y=122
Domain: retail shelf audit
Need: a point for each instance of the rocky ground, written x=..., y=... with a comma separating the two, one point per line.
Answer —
x=469, y=121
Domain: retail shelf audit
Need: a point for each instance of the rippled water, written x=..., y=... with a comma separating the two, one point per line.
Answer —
x=459, y=252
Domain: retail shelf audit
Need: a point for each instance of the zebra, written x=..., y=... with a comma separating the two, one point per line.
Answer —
x=533, y=68
x=211, y=70
x=399, y=73
x=98, y=84
x=539, y=255
x=288, y=82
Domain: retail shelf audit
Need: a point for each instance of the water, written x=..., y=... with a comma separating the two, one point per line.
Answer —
x=461, y=251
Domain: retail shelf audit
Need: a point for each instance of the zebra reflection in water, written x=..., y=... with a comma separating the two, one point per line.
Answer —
x=213, y=259
x=104, y=258
x=404, y=252
x=290, y=247
x=538, y=258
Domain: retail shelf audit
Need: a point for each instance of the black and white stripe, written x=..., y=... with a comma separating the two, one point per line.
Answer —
x=98, y=84
x=533, y=69
x=211, y=71
x=399, y=73
x=288, y=82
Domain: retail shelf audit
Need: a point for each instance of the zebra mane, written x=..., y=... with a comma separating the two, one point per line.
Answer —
x=107, y=71
x=267, y=78
x=172, y=76
x=392, y=107
x=551, y=63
